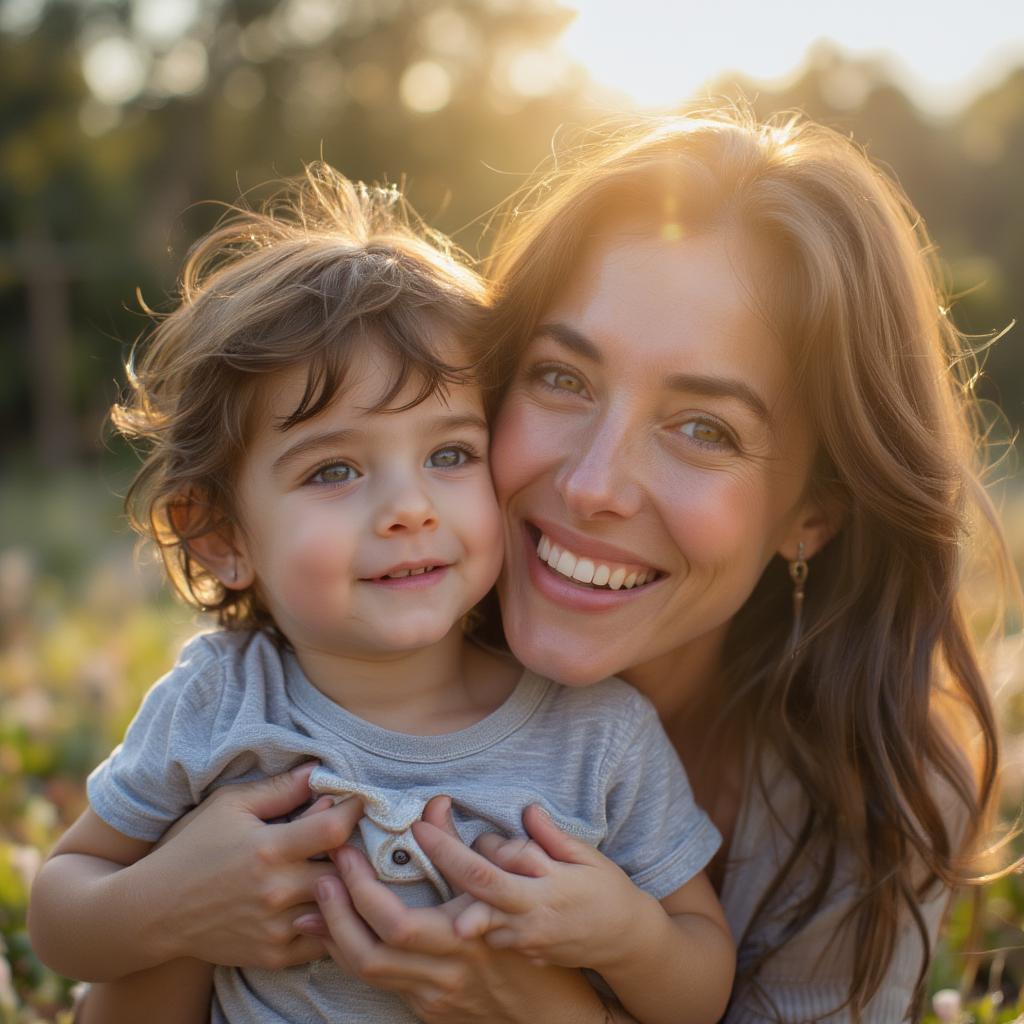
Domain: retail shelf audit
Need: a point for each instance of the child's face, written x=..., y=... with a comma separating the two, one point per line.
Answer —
x=369, y=534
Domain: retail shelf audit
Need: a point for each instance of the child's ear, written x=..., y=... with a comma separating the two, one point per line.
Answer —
x=221, y=549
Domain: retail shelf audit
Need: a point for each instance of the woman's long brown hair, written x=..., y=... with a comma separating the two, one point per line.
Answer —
x=879, y=708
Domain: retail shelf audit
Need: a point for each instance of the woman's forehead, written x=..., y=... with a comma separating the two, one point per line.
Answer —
x=680, y=303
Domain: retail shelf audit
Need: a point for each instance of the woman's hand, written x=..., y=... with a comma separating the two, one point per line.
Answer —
x=443, y=977
x=234, y=884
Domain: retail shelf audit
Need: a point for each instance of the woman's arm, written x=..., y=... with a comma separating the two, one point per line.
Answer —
x=226, y=888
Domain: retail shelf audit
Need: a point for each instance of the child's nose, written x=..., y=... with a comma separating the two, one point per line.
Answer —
x=411, y=510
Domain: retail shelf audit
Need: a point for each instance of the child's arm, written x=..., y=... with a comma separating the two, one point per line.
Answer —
x=672, y=962
x=76, y=919
x=71, y=901
x=174, y=993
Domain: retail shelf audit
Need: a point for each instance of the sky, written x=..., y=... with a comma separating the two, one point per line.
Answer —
x=662, y=51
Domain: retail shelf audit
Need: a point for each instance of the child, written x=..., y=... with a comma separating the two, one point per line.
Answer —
x=318, y=478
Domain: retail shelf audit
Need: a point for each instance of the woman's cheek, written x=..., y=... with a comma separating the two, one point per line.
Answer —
x=713, y=518
x=519, y=445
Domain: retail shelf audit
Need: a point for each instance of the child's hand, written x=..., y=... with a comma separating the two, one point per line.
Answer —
x=551, y=897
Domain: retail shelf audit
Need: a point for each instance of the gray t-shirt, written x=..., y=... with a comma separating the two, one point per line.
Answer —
x=235, y=707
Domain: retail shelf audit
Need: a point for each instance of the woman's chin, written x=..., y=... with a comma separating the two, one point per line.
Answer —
x=555, y=660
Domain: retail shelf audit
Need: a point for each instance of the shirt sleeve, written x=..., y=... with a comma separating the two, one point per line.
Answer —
x=808, y=977
x=656, y=832
x=157, y=773
x=800, y=983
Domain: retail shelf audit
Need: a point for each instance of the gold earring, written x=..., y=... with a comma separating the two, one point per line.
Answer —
x=798, y=574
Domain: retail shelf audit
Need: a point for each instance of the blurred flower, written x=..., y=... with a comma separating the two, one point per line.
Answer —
x=16, y=578
x=947, y=1006
x=26, y=860
x=8, y=1000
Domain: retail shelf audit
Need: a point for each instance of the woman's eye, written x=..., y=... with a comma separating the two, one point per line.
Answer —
x=447, y=458
x=335, y=473
x=562, y=380
x=705, y=432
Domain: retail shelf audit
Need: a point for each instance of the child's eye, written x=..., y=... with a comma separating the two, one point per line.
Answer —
x=450, y=457
x=334, y=473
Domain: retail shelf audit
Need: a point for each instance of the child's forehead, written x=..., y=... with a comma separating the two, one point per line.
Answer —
x=369, y=375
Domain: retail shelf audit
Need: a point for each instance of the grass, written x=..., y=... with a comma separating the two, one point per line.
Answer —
x=84, y=632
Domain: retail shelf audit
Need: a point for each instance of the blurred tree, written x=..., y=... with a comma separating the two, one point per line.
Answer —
x=118, y=117
x=156, y=105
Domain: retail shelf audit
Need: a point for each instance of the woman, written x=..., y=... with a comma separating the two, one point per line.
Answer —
x=724, y=366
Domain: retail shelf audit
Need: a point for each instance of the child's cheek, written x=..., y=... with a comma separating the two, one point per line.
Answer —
x=315, y=569
x=490, y=533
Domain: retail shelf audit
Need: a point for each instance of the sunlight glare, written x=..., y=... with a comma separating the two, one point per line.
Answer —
x=663, y=54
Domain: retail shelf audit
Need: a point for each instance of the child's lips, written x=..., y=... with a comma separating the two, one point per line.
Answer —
x=417, y=578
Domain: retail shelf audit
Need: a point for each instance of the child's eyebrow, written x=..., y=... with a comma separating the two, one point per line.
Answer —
x=331, y=438
x=456, y=421
x=311, y=444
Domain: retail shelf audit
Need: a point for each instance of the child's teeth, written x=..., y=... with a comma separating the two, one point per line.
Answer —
x=399, y=574
x=601, y=575
x=584, y=571
x=417, y=572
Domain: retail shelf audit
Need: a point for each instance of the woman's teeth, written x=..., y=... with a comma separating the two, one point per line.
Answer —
x=586, y=570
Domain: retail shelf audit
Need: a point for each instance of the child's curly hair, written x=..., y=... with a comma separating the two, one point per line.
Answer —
x=321, y=266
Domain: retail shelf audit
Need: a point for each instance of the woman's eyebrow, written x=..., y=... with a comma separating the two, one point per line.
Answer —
x=720, y=387
x=571, y=339
x=695, y=383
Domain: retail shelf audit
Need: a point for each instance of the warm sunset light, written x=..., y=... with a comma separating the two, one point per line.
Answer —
x=659, y=54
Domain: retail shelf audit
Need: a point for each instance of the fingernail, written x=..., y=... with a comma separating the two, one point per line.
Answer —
x=324, y=890
x=310, y=924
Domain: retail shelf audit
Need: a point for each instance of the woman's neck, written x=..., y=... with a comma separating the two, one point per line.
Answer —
x=687, y=688
x=685, y=683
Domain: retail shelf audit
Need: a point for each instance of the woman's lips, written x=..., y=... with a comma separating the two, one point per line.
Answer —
x=593, y=571
x=559, y=588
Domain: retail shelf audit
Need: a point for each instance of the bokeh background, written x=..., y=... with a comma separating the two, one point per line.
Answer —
x=119, y=118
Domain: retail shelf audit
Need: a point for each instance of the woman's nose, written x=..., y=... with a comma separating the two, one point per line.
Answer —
x=599, y=474
x=407, y=508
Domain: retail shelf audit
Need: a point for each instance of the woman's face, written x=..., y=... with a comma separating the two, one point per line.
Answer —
x=650, y=437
